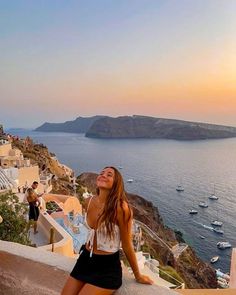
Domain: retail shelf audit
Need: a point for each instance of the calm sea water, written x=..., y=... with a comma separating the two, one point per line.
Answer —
x=157, y=167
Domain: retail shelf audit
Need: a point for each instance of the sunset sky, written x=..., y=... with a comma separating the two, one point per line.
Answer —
x=163, y=58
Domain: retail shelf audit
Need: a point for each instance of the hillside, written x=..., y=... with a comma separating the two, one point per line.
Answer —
x=150, y=127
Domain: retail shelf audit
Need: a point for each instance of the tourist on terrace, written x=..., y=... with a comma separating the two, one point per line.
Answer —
x=108, y=218
x=34, y=203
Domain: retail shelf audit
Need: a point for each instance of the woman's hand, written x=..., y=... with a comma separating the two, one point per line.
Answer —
x=142, y=279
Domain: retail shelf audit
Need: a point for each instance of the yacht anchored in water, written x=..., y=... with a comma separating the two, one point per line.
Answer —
x=203, y=204
x=130, y=180
x=216, y=223
x=214, y=259
x=180, y=188
x=223, y=245
x=213, y=196
x=218, y=231
x=193, y=211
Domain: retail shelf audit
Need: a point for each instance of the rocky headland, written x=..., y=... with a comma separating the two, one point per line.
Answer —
x=140, y=127
x=79, y=125
x=150, y=127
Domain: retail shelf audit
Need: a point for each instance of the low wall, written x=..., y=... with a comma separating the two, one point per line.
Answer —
x=232, y=283
x=25, y=271
x=63, y=243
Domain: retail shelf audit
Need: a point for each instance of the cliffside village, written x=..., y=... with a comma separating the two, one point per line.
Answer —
x=18, y=173
x=61, y=228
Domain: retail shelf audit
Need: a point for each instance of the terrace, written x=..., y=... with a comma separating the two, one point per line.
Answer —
x=59, y=258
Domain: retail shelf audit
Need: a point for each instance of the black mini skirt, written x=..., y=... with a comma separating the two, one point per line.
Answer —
x=33, y=212
x=103, y=271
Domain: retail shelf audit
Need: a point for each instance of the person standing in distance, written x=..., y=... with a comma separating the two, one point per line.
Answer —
x=108, y=219
x=34, y=202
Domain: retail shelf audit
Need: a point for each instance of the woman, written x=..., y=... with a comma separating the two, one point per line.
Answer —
x=108, y=218
x=34, y=203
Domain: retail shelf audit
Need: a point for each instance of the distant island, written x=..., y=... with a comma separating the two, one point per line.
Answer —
x=79, y=125
x=140, y=127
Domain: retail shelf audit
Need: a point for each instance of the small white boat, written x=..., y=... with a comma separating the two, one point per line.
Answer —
x=202, y=237
x=180, y=188
x=223, y=245
x=218, y=231
x=193, y=211
x=220, y=274
x=213, y=197
x=216, y=223
x=203, y=204
x=223, y=283
x=130, y=180
x=120, y=167
x=214, y=259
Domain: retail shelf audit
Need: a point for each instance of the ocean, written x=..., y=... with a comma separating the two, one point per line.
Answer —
x=157, y=167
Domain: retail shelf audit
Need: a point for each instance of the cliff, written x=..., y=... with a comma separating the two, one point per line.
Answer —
x=39, y=154
x=193, y=271
x=150, y=127
x=79, y=125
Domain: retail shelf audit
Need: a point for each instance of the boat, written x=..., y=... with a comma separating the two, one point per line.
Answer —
x=213, y=196
x=180, y=188
x=218, y=231
x=203, y=204
x=223, y=283
x=223, y=245
x=193, y=211
x=214, y=259
x=120, y=167
x=216, y=223
x=202, y=237
x=130, y=180
x=220, y=274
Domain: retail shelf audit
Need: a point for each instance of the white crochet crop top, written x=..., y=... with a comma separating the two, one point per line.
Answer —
x=104, y=242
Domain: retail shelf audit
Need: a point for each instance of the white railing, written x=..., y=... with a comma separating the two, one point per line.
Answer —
x=179, y=285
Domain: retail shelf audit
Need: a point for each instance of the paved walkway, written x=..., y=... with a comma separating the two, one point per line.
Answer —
x=38, y=239
x=178, y=249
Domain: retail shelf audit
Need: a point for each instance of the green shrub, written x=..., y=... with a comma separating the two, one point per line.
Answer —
x=14, y=226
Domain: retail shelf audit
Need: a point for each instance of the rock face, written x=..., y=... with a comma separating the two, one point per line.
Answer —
x=39, y=154
x=150, y=127
x=194, y=272
x=79, y=125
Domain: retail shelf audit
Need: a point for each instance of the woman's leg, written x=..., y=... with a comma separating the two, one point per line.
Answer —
x=28, y=225
x=91, y=289
x=35, y=227
x=72, y=286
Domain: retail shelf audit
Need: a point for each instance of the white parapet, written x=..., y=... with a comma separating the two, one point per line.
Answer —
x=43, y=273
x=232, y=282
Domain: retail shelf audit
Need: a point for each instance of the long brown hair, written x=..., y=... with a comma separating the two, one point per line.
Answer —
x=31, y=195
x=116, y=197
